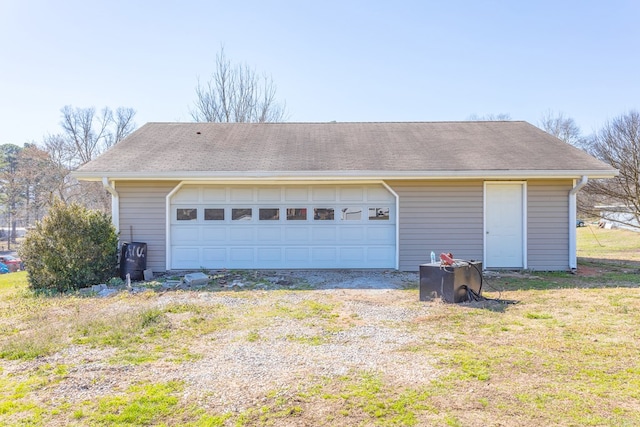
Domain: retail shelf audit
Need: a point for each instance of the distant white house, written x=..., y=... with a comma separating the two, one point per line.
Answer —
x=618, y=216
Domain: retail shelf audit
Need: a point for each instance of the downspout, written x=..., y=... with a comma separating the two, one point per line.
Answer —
x=573, y=258
x=115, y=203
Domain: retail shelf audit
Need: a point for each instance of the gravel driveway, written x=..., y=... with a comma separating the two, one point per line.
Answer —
x=276, y=341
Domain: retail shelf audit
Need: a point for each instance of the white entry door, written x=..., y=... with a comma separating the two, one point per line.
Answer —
x=504, y=225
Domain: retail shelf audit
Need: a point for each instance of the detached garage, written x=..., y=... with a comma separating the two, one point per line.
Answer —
x=345, y=195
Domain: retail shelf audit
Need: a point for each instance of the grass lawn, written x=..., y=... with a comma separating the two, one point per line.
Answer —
x=622, y=246
x=567, y=354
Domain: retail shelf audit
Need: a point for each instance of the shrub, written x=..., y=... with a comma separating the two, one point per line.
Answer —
x=71, y=248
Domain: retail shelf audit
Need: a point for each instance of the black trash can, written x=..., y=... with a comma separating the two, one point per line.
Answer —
x=133, y=260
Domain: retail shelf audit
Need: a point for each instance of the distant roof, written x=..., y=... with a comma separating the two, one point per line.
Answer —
x=357, y=150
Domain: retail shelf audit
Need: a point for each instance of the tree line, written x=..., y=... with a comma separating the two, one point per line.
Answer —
x=34, y=176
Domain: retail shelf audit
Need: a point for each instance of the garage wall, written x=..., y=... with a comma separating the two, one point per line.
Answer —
x=548, y=227
x=439, y=216
x=434, y=215
x=447, y=216
x=143, y=218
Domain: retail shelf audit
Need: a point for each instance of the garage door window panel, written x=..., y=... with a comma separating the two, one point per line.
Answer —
x=241, y=214
x=214, y=214
x=351, y=214
x=296, y=214
x=187, y=214
x=376, y=214
x=269, y=214
x=323, y=214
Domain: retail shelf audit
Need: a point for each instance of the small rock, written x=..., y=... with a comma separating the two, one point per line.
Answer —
x=97, y=288
x=195, y=279
x=86, y=292
x=148, y=275
x=169, y=284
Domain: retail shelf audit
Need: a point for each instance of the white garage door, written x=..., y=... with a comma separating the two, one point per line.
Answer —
x=310, y=226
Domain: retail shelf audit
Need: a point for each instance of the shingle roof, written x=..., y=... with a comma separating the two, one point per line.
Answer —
x=356, y=149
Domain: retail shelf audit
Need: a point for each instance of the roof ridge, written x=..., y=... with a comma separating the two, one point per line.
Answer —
x=337, y=122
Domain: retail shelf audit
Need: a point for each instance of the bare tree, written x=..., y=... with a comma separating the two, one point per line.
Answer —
x=123, y=125
x=236, y=93
x=562, y=127
x=618, y=144
x=79, y=127
x=490, y=117
x=88, y=133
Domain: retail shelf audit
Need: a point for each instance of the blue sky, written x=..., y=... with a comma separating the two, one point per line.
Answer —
x=331, y=60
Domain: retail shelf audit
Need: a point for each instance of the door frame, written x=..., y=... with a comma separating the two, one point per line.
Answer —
x=523, y=186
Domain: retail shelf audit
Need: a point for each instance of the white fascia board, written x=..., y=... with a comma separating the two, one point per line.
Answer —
x=344, y=175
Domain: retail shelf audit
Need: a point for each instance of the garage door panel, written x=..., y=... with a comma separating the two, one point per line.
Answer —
x=351, y=234
x=379, y=254
x=296, y=194
x=214, y=234
x=269, y=194
x=323, y=194
x=187, y=195
x=241, y=194
x=297, y=234
x=352, y=194
x=185, y=235
x=324, y=234
x=240, y=254
x=318, y=240
x=214, y=256
x=352, y=254
x=269, y=234
x=269, y=254
x=381, y=234
x=241, y=234
x=324, y=255
x=297, y=254
x=183, y=257
x=212, y=195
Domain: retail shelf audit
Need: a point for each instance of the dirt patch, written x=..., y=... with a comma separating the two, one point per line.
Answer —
x=588, y=271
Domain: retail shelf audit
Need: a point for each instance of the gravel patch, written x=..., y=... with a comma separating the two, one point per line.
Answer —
x=373, y=329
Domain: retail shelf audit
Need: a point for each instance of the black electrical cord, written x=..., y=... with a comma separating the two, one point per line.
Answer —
x=473, y=295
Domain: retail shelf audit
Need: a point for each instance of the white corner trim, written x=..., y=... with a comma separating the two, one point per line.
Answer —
x=167, y=231
x=115, y=203
x=397, y=213
x=573, y=251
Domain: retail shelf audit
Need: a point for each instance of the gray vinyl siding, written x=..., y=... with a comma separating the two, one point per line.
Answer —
x=439, y=216
x=548, y=224
x=143, y=217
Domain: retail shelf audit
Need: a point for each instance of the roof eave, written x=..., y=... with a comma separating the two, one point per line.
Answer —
x=342, y=175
